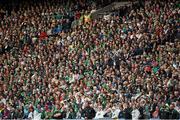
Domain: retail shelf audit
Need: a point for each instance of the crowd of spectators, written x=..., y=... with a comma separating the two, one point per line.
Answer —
x=126, y=67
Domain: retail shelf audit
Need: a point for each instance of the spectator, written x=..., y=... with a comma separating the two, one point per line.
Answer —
x=88, y=112
x=135, y=113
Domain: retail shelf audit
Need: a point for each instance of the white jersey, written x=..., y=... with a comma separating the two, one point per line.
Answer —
x=100, y=114
x=135, y=114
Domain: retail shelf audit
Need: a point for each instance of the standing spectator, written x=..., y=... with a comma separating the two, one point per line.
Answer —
x=173, y=114
x=164, y=111
x=88, y=112
x=135, y=113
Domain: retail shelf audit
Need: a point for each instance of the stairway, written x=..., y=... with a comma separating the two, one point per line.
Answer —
x=109, y=8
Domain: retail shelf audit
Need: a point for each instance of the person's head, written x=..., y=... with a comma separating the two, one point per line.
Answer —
x=176, y=93
x=31, y=108
x=157, y=108
x=162, y=103
x=178, y=102
x=71, y=109
x=171, y=106
x=86, y=103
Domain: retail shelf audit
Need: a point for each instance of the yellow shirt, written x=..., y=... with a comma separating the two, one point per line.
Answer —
x=87, y=18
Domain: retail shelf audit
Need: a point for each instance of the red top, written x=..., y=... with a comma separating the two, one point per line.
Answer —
x=42, y=35
x=147, y=69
